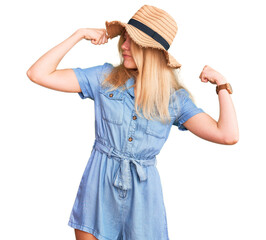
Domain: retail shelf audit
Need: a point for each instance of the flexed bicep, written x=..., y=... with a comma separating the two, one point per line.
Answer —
x=63, y=80
x=205, y=127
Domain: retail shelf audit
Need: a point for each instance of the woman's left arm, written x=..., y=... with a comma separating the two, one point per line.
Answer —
x=225, y=131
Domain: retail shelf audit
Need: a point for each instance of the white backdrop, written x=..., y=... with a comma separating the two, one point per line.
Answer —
x=211, y=191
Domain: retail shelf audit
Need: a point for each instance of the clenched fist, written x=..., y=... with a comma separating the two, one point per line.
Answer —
x=208, y=74
x=97, y=36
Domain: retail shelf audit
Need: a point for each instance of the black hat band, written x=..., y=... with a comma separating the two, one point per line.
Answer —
x=156, y=36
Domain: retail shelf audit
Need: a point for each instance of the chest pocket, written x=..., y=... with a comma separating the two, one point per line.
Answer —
x=156, y=129
x=112, y=106
x=159, y=129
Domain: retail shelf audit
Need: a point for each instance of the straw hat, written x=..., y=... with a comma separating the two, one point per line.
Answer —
x=149, y=27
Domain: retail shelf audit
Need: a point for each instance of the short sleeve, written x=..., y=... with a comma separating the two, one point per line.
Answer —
x=89, y=79
x=187, y=109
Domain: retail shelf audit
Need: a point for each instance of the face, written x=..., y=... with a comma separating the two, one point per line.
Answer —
x=127, y=56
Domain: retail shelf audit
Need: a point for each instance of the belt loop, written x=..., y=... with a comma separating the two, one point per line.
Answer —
x=110, y=152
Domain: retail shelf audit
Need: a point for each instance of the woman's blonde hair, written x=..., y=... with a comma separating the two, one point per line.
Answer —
x=154, y=81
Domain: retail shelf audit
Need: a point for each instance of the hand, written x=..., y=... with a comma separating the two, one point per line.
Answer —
x=97, y=36
x=208, y=74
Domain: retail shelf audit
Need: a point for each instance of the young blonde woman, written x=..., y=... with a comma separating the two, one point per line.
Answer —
x=136, y=103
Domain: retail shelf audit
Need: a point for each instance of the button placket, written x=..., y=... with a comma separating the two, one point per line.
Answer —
x=131, y=131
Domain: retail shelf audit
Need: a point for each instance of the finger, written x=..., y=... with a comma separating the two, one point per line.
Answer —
x=200, y=75
x=97, y=38
x=212, y=81
x=93, y=41
x=204, y=80
x=105, y=39
x=102, y=33
x=203, y=77
x=101, y=40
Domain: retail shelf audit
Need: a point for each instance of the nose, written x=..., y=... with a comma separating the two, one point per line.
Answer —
x=126, y=45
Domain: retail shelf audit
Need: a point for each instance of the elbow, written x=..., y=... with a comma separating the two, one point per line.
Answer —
x=31, y=75
x=231, y=140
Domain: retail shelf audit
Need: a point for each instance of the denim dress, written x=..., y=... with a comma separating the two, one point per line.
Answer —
x=120, y=193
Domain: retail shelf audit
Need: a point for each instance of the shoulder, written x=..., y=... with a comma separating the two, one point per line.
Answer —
x=102, y=68
x=98, y=71
x=107, y=67
x=182, y=93
x=178, y=97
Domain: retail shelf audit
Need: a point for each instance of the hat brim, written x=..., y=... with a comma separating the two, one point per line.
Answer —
x=115, y=28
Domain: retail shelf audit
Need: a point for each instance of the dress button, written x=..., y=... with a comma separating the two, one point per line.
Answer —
x=111, y=95
x=130, y=139
x=134, y=117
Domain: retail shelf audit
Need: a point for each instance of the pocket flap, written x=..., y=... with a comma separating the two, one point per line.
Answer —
x=112, y=95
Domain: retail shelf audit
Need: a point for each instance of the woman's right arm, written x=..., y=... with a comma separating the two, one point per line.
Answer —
x=44, y=72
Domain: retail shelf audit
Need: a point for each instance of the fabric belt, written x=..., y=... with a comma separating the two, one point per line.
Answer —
x=123, y=178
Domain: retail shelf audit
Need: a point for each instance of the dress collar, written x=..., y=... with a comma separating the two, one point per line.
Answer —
x=128, y=84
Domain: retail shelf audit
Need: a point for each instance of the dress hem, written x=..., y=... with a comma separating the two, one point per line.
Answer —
x=88, y=230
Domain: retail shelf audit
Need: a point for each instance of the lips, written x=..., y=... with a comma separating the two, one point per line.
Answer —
x=126, y=55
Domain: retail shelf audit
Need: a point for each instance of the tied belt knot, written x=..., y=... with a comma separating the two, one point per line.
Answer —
x=123, y=178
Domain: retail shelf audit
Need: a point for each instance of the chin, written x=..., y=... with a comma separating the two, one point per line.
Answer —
x=129, y=66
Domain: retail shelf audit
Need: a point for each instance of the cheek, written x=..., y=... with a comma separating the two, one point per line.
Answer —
x=133, y=64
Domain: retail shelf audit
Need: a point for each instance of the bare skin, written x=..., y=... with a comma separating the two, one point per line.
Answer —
x=128, y=59
x=225, y=131
x=45, y=73
x=80, y=235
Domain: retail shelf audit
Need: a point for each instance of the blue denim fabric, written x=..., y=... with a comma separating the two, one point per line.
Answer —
x=120, y=193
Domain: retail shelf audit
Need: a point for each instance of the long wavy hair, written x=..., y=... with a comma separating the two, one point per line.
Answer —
x=155, y=82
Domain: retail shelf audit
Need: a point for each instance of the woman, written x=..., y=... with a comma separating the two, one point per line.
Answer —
x=136, y=103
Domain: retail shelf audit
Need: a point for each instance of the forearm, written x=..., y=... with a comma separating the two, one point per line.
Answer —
x=225, y=131
x=48, y=63
x=227, y=123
